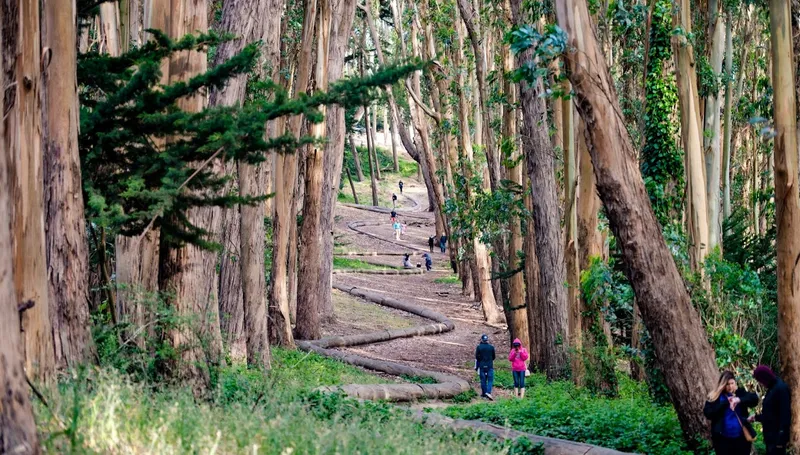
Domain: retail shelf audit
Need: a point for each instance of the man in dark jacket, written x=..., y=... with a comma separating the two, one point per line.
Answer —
x=484, y=365
x=431, y=240
x=776, y=412
x=443, y=243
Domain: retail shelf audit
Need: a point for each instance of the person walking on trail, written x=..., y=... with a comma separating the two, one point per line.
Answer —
x=484, y=365
x=400, y=184
x=393, y=216
x=397, y=227
x=776, y=411
x=428, y=261
x=431, y=241
x=727, y=409
x=443, y=243
x=394, y=200
x=407, y=262
x=518, y=356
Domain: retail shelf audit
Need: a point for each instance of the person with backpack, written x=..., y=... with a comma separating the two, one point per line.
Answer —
x=443, y=243
x=431, y=241
x=393, y=216
x=484, y=365
x=518, y=356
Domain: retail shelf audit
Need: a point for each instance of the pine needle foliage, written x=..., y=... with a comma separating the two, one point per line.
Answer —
x=146, y=162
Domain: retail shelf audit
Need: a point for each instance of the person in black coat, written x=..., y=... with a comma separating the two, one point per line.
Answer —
x=728, y=409
x=431, y=240
x=776, y=411
x=484, y=365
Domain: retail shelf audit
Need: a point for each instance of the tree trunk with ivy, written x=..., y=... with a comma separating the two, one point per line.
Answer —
x=678, y=335
x=65, y=225
x=23, y=157
x=787, y=203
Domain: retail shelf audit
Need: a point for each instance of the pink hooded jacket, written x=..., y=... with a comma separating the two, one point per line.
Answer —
x=518, y=359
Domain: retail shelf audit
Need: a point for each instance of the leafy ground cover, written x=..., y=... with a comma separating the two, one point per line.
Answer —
x=103, y=411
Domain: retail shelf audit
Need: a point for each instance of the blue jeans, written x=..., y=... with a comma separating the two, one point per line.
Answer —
x=519, y=379
x=487, y=379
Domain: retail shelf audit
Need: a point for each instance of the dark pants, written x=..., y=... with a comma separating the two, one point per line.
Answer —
x=431, y=245
x=443, y=246
x=730, y=446
x=519, y=379
x=776, y=451
x=487, y=379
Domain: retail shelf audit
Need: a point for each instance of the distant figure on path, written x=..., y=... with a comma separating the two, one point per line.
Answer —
x=517, y=357
x=393, y=216
x=727, y=409
x=431, y=241
x=484, y=365
x=443, y=243
x=407, y=262
x=428, y=261
x=397, y=227
x=394, y=200
x=400, y=184
x=776, y=411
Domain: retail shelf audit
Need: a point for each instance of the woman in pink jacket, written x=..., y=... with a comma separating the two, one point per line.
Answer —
x=517, y=357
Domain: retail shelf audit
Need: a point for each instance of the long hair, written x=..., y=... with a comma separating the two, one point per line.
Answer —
x=723, y=382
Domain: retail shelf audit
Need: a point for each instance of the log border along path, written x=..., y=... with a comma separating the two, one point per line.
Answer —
x=447, y=385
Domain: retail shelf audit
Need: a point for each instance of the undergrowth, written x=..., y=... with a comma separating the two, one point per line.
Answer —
x=629, y=423
x=357, y=264
x=104, y=411
x=450, y=279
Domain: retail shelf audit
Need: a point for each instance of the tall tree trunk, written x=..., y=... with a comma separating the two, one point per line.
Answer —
x=342, y=14
x=552, y=295
x=468, y=15
x=571, y=235
x=356, y=159
x=712, y=125
x=188, y=273
x=23, y=158
x=393, y=138
x=728, y=132
x=109, y=29
x=680, y=342
x=285, y=213
x=65, y=226
x=17, y=427
x=373, y=182
x=236, y=19
x=535, y=324
x=691, y=136
x=231, y=309
x=787, y=202
x=309, y=325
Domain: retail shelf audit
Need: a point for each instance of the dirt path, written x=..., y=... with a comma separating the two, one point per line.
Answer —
x=451, y=352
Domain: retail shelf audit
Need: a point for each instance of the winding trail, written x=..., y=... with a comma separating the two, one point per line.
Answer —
x=441, y=349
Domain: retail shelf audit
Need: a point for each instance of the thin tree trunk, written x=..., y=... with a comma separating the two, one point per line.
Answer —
x=285, y=213
x=393, y=132
x=726, y=145
x=637, y=367
x=342, y=14
x=712, y=124
x=691, y=136
x=188, y=273
x=356, y=159
x=309, y=326
x=65, y=228
x=787, y=202
x=17, y=426
x=372, y=163
x=571, y=235
x=352, y=186
x=681, y=344
x=23, y=158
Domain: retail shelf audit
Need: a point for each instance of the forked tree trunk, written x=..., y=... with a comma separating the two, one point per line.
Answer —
x=23, y=158
x=681, y=345
x=285, y=212
x=691, y=136
x=552, y=295
x=342, y=14
x=309, y=325
x=65, y=226
x=17, y=427
x=236, y=19
x=787, y=203
x=188, y=273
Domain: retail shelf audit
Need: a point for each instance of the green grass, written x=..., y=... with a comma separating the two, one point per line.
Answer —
x=451, y=279
x=105, y=412
x=629, y=423
x=408, y=168
x=357, y=264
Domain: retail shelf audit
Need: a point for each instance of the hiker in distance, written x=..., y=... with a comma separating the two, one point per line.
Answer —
x=431, y=241
x=443, y=243
x=400, y=184
x=518, y=357
x=428, y=261
x=776, y=411
x=397, y=228
x=484, y=365
x=393, y=216
x=394, y=200
x=728, y=408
